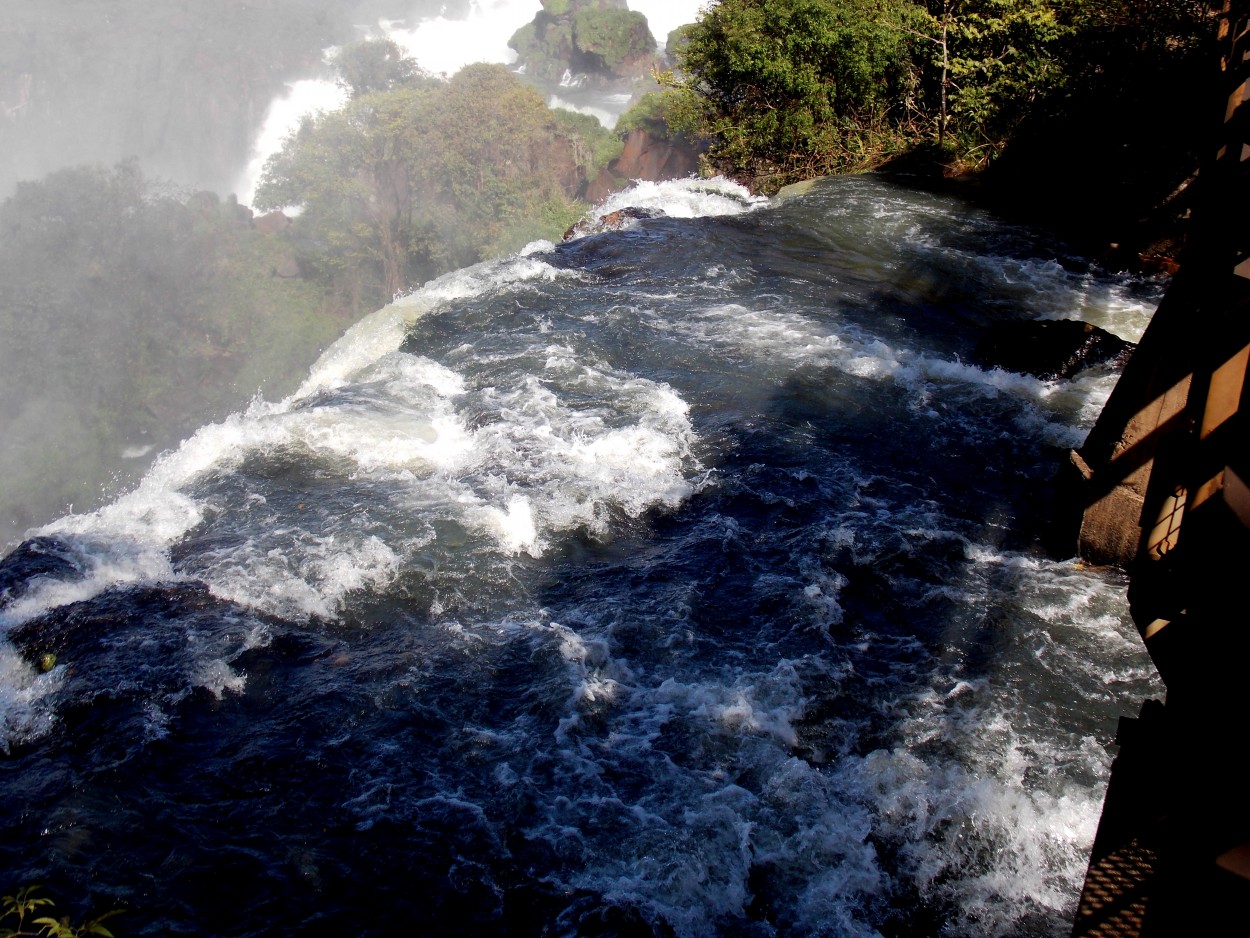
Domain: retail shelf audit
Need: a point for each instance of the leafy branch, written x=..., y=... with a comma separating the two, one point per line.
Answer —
x=23, y=903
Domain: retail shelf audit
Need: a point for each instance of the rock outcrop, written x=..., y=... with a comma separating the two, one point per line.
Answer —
x=1050, y=349
x=271, y=223
x=646, y=156
x=599, y=39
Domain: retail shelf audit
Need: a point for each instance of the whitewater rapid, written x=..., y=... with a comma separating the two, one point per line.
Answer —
x=684, y=579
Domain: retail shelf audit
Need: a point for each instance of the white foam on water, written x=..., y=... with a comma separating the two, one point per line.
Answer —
x=1083, y=628
x=1043, y=287
x=683, y=850
x=106, y=563
x=1052, y=291
x=541, y=467
x=311, y=575
x=383, y=332
x=574, y=466
x=127, y=541
x=1060, y=412
x=25, y=710
x=218, y=678
x=305, y=98
x=684, y=198
x=443, y=46
x=992, y=796
x=977, y=836
x=514, y=526
x=604, y=116
x=388, y=438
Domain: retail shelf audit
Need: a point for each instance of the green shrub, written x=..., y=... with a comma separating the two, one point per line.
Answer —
x=795, y=88
x=17, y=907
x=611, y=38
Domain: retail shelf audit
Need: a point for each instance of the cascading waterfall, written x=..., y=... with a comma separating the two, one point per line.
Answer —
x=443, y=45
x=683, y=579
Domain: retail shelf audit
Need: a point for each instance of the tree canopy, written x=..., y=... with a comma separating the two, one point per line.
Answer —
x=797, y=87
x=790, y=88
x=416, y=176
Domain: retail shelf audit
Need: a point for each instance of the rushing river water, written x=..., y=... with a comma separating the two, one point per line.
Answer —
x=682, y=580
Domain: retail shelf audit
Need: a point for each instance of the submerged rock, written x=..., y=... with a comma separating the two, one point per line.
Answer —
x=1050, y=349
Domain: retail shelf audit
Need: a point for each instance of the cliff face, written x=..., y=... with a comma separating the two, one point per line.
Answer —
x=648, y=157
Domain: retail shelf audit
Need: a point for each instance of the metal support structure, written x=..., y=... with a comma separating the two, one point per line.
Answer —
x=1163, y=484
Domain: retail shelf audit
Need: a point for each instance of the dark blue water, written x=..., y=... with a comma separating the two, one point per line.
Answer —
x=682, y=580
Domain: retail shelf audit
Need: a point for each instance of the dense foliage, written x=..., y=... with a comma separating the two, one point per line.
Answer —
x=426, y=176
x=592, y=38
x=794, y=88
x=791, y=88
x=1120, y=137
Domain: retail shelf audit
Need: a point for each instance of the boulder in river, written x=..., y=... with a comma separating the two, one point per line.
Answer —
x=613, y=221
x=1050, y=349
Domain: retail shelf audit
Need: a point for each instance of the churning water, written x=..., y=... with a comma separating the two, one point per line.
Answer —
x=681, y=580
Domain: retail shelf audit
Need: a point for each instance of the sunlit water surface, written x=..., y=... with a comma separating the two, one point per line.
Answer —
x=682, y=580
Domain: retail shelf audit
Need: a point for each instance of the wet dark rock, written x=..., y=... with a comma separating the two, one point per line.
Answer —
x=1050, y=349
x=613, y=221
x=32, y=561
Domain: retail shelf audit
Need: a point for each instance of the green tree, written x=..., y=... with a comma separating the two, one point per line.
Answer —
x=991, y=62
x=497, y=167
x=351, y=171
x=1122, y=135
x=404, y=184
x=375, y=65
x=792, y=88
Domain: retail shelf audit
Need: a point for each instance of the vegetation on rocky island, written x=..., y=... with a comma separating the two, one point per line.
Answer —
x=598, y=39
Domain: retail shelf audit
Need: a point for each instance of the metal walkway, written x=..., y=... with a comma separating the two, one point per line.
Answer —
x=1162, y=487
